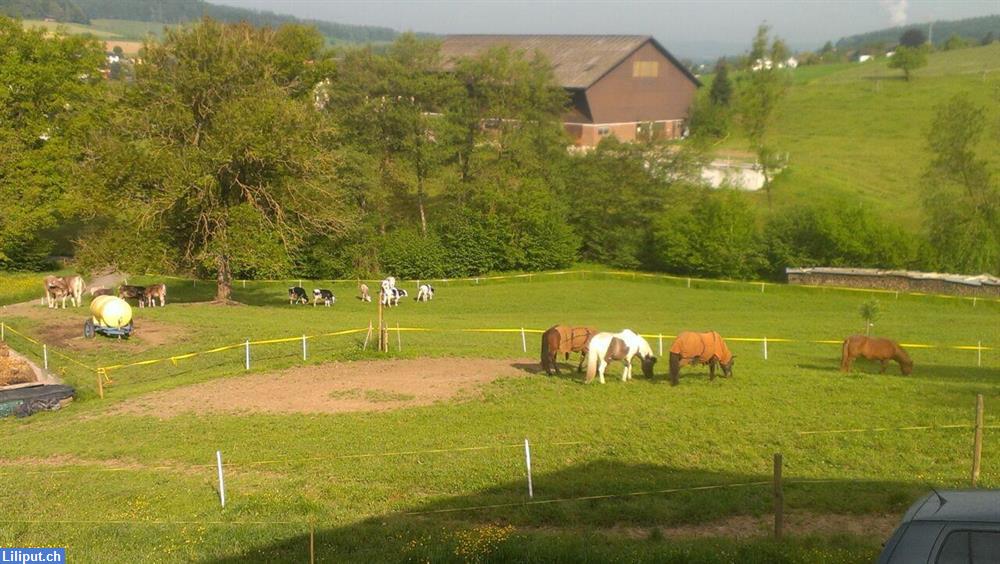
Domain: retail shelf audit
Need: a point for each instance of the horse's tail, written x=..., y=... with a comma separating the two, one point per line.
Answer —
x=546, y=355
x=592, y=361
x=675, y=368
x=905, y=364
x=845, y=354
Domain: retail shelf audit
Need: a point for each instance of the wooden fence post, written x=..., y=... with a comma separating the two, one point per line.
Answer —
x=100, y=383
x=312, y=542
x=779, y=498
x=977, y=440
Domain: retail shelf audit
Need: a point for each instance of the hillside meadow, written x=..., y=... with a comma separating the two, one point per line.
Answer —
x=115, y=481
x=858, y=131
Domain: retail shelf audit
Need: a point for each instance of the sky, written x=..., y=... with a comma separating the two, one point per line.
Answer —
x=689, y=28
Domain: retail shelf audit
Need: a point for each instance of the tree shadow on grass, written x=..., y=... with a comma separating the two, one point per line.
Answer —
x=597, y=511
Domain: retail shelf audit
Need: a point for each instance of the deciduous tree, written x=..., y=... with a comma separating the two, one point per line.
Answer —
x=218, y=148
x=908, y=59
x=49, y=95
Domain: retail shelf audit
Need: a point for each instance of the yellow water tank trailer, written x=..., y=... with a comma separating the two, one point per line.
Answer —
x=110, y=311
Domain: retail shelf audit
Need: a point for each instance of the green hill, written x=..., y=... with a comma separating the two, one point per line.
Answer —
x=859, y=130
x=58, y=10
x=974, y=29
x=180, y=11
x=134, y=19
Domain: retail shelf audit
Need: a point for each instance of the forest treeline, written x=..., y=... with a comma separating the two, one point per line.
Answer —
x=238, y=151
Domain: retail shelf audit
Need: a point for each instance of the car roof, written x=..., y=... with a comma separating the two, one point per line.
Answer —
x=959, y=505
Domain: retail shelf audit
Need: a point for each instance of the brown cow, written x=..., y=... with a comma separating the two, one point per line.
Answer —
x=154, y=292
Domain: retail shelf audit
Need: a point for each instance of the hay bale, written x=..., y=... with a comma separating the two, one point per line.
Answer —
x=13, y=370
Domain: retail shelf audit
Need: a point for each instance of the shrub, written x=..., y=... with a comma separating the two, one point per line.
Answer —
x=840, y=233
x=710, y=233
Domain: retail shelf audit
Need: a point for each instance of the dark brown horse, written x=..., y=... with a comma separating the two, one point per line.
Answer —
x=874, y=348
x=700, y=348
x=565, y=339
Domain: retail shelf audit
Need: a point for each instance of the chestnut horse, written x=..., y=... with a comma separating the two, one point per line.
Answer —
x=874, y=348
x=565, y=339
x=700, y=348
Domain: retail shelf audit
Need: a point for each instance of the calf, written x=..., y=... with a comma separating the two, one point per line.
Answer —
x=154, y=292
x=100, y=291
x=74, y=285
x=127, y=292
x=395, y=295
x=297, y=295
x=365, y=294
x=55, y=288
x=326, y=296
x=425, y=293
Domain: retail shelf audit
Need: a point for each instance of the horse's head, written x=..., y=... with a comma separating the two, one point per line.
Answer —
x=906, y=367
x=648, y=361
x=727, y=368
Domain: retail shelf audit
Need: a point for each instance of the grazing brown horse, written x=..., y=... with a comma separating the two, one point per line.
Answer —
x=874, y=348
x=565, y=339
x=700, y=348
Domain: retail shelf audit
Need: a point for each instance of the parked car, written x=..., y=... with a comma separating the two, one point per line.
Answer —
x=948, y=527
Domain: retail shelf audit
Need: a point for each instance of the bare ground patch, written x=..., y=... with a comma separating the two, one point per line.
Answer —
x=749, y=526
x=331, y=388
x=63, y=328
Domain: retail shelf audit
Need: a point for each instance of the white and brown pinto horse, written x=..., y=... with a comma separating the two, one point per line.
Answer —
x=606, y=347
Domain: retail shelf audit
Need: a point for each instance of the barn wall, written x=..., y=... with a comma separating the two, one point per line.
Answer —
x=620, y=97
x=893, y=282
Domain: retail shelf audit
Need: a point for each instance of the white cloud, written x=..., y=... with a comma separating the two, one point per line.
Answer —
x=897, y=10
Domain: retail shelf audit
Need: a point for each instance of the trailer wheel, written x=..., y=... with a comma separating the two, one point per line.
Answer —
x=88, y=329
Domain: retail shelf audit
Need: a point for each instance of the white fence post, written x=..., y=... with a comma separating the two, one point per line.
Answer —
x=524, y=342
x=45, y=356
x=247, y=356
x=765, y=348
x=527, y=463
x=222, y=482
x=304, y=354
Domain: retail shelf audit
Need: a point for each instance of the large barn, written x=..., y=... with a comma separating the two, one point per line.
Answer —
x=628, y=86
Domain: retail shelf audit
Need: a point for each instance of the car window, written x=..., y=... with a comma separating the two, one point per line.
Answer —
x=970, y=547
x=915, y=543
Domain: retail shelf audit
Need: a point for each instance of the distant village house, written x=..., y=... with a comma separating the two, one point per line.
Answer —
x=628, y=86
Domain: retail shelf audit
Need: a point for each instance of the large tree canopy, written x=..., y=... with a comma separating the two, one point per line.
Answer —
x=50, y=91
x=219, y=150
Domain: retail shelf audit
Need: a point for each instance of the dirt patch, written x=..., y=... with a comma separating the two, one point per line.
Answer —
x=14, y=370
x=331, y=388
x=63, y=328
x=798, y=523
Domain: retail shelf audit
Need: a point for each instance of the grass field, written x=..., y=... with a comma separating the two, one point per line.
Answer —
x=107, y=29
x=114, y=486
x=859, y=131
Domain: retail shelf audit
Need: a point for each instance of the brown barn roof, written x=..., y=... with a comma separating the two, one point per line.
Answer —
x=578, y=61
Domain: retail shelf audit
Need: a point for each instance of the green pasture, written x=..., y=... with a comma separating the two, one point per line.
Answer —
x=106, y=29
x=125, y=487
x=859, y=131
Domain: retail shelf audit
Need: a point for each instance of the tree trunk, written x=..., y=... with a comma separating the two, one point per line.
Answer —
x=223, y=279
x=420, y=206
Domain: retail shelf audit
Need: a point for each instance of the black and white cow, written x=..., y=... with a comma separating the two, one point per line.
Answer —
x=393, y=296
x=325, y=296
x=297, y=295
x=425, y=293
